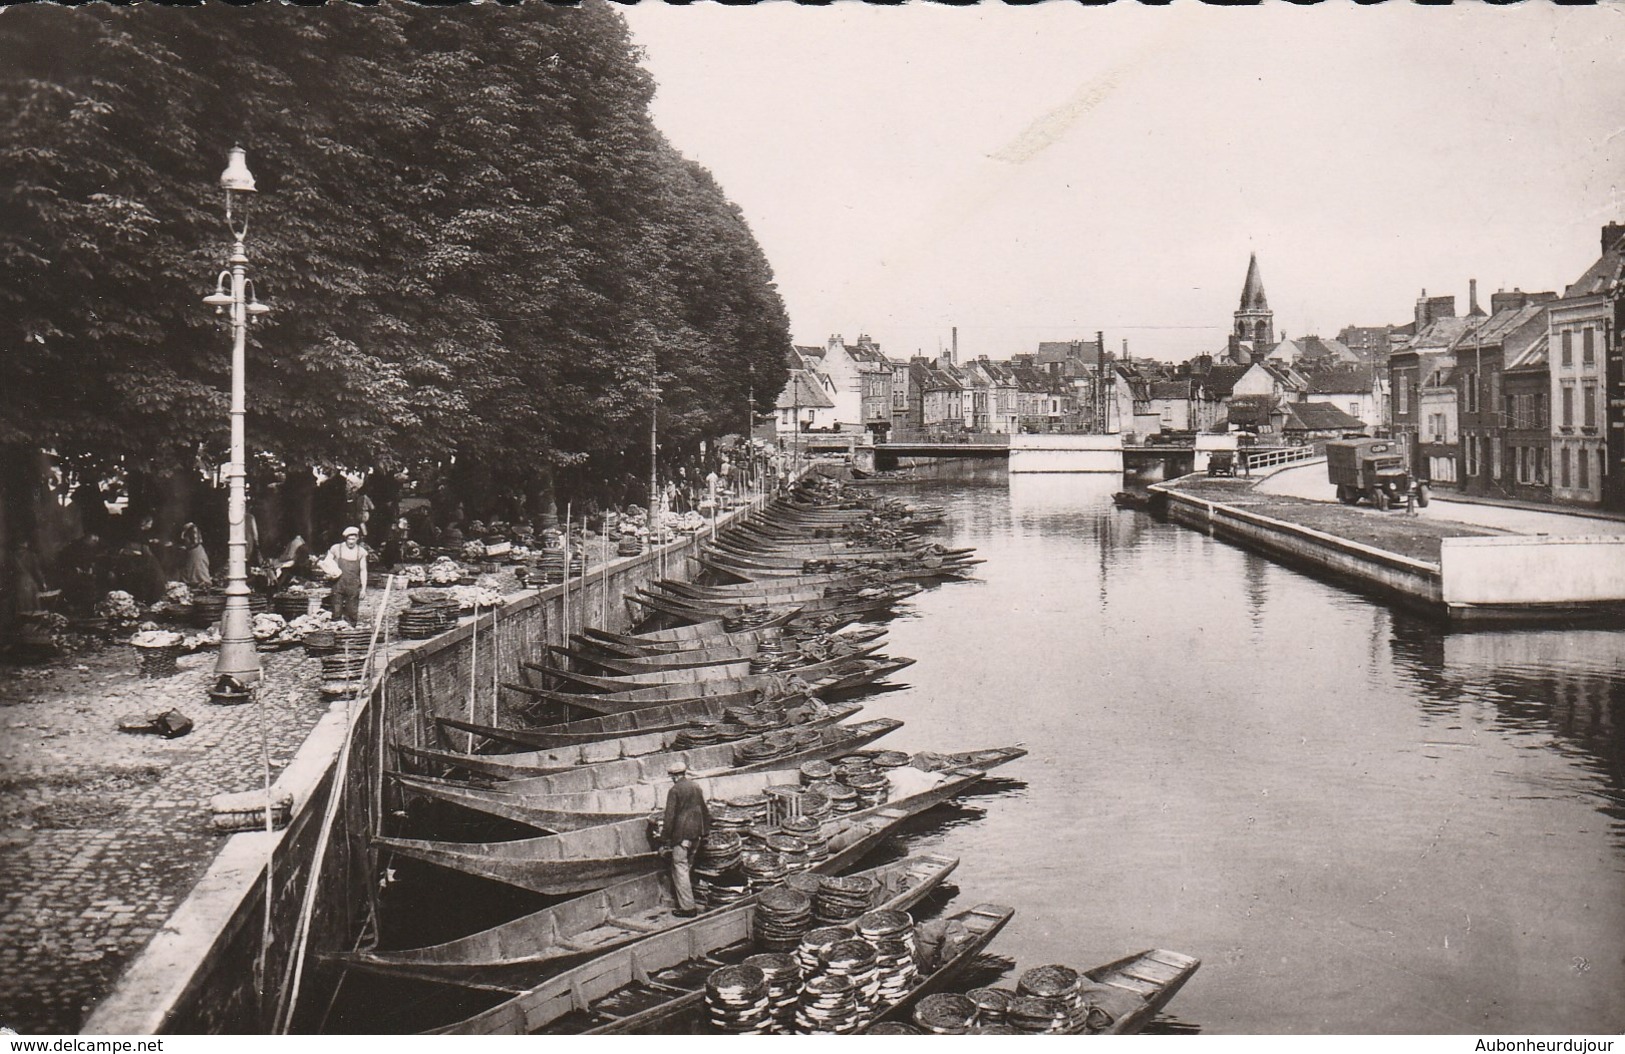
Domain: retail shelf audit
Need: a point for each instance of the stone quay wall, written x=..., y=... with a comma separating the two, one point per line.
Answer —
x=1412, y=582
x=1504, y=578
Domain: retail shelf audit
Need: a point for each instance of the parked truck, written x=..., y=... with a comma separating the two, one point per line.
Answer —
x=1373, y=469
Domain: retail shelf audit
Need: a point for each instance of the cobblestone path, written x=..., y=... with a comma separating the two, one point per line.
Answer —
x=102, y=834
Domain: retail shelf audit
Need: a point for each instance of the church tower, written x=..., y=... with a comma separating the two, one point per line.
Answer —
x=1255, y=322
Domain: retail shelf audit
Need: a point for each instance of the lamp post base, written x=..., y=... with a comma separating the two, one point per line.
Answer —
x=239, y=656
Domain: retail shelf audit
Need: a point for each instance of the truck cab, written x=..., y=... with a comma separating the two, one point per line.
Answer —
x=1373, y=469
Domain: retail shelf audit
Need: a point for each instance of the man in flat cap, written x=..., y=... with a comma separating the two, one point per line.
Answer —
x=349, y=559
x=686, y=822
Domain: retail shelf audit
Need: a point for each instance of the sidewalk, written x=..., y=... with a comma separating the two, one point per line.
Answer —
x=1527, y=506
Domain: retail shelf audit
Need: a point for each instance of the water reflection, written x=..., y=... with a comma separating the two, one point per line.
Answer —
x=1411, y=830
x=1407, y=829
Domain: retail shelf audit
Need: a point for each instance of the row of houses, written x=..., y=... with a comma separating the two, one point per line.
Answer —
x=1297, y=390
x=856, y=388
x=1525, y=400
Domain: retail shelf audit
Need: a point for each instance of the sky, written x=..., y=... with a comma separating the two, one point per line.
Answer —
x=1046, y=172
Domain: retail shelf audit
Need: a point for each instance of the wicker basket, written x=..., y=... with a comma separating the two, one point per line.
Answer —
x=158, y=662
x=207, y=609
x=291, y=605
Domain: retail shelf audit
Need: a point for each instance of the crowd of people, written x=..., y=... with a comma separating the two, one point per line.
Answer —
x=296, y=520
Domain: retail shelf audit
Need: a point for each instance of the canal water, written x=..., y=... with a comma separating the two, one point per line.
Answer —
x=1358, y=821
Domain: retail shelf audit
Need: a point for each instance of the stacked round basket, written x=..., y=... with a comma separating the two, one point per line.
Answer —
x=430, y=612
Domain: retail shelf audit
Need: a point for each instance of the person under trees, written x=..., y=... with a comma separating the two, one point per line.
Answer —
x=194, y=569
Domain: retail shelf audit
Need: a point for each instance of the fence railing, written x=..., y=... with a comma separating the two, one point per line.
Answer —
x=1283, y=456
x=927, y=436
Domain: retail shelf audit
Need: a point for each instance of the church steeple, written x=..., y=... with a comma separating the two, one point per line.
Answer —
x=1255, y=322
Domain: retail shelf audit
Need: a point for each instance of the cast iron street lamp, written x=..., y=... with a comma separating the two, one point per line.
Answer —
x=238, y=656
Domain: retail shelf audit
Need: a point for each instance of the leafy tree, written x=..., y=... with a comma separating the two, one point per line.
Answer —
x=474, y=240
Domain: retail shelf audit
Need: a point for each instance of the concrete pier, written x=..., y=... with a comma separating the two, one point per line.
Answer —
x=1475, y=578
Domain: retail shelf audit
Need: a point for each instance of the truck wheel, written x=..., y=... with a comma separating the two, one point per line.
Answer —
x=1347, y=494
x=1423, y=495
x=1379, y=498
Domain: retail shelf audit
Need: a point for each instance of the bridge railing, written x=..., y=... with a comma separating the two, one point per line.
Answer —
x=1282, y=456
x=910, y=435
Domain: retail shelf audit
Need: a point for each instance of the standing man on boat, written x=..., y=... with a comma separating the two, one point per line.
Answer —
x=686, y=822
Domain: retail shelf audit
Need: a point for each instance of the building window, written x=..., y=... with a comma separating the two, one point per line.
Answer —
x=1543, y=468
x=1584, y=462
x=1471, y=387
x=1588, y=351
x=1403, y=396
x=1472, y=455
x=1520, y=463
x=1563, y=468
x=1588, y=401
x=1568, y=347
x=1495, y=457
x=1568, y=406
x=1509, y=410
x=1443, y=469
x=1354, y=409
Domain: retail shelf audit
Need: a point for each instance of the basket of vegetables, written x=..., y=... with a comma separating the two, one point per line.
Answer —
x=156, y=651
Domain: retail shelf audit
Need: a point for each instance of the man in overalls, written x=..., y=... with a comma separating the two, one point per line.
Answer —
x=352, y=581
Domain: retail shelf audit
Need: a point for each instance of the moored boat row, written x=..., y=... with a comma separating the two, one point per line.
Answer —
x=749, y=680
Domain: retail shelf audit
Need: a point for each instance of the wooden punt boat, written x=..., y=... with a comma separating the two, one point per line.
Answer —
x=514, y=956
x=811, y=549
x=821, y=582
x=1147, y=982
x=742, y=691
x=645, y=978
x=1128, y=992
x=593, y=649
x=787, y=591
x=780, y=558
x=591, y=858
x=623, y=664
x=582, y=734
x=523, y=802
x=621, y=647
x=713, y=635
x=705, y=629
x=729, y=672
x=630, y=1010
x=619, y=682
x=897, y=571
x=852, y=606
x=608, y=704
x=815, y=741
x=1125, y=499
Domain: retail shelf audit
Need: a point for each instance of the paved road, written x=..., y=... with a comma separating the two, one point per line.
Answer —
x=1309, y=481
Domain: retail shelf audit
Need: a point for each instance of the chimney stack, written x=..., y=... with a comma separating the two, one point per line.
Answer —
x=1612, y=233
x=1472, y=297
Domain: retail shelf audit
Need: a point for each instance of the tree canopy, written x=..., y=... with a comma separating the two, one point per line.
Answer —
x=475, y=243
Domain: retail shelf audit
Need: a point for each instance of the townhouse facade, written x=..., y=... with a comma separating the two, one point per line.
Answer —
x=1587, y=385
x=1488, y=466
